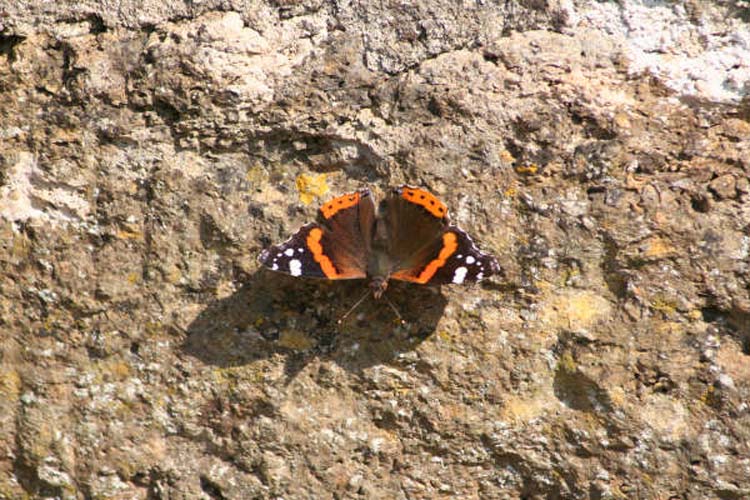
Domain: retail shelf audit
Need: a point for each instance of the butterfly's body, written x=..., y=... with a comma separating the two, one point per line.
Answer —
x=408, y=238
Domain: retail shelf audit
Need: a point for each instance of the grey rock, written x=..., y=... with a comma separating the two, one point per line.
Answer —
x=149, y=152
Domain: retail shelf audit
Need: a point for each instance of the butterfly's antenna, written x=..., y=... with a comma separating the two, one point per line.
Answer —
x=400, y=319
x=356, y=304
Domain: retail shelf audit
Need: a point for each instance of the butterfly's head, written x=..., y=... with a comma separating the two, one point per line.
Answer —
x=378, y=285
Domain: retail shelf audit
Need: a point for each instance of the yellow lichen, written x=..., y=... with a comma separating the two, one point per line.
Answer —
x=172, y=273
x=256, y=175
x=10, y=384
x=11, y=489
x=617, y=396
x=567, y=363
x=525, y=409
x=621, y=120
x=568, y=274
x=709, y=396
x=293, y=339
x=113, y=370
x=231, y=376
x=664, y=305
x=669, y=328
x=311, y=187
x=120, y=370
x=575, y=310
x=129, y=232
x=20, y=247
x=530, y=169
x=657, y=248
x=506, y=156
x=153, y=328
x=444, y=336
x=695, y=315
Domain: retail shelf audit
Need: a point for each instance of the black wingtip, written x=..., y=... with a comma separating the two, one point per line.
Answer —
x=263, y=256
x=495, y=268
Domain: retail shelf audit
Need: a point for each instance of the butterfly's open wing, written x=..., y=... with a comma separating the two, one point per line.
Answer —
x=453, y=258
x=337, y=246
x=422, y=246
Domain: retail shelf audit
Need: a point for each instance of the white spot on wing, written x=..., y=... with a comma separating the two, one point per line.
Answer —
x=300, y=250
x=289, y=252
x=470, y=259
x=295, y=267
x=459, y=275
x=480, y=276
x=275, y=267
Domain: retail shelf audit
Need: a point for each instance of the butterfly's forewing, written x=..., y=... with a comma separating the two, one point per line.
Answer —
x=407, y=230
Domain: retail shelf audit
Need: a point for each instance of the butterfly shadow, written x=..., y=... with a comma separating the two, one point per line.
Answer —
x=277, y=315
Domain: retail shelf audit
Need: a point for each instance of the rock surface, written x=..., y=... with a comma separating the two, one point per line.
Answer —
x=150, y=150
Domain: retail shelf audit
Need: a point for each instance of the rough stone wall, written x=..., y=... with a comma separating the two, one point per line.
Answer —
x=149, y=150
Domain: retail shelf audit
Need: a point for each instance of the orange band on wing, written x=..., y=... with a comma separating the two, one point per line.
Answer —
x=313, y=244
x=340, y=203
x=450, y=244
x=425, y=199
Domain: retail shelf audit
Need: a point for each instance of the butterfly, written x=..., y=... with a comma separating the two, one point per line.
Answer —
x=408, y=238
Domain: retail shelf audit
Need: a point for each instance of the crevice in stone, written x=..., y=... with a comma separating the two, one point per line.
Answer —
x=8, y=44
x=211, y=489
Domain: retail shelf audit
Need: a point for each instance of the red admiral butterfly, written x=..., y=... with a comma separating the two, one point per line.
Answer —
x=408, y=239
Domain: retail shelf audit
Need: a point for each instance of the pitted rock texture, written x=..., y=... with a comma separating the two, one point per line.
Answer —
x=150, y=150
